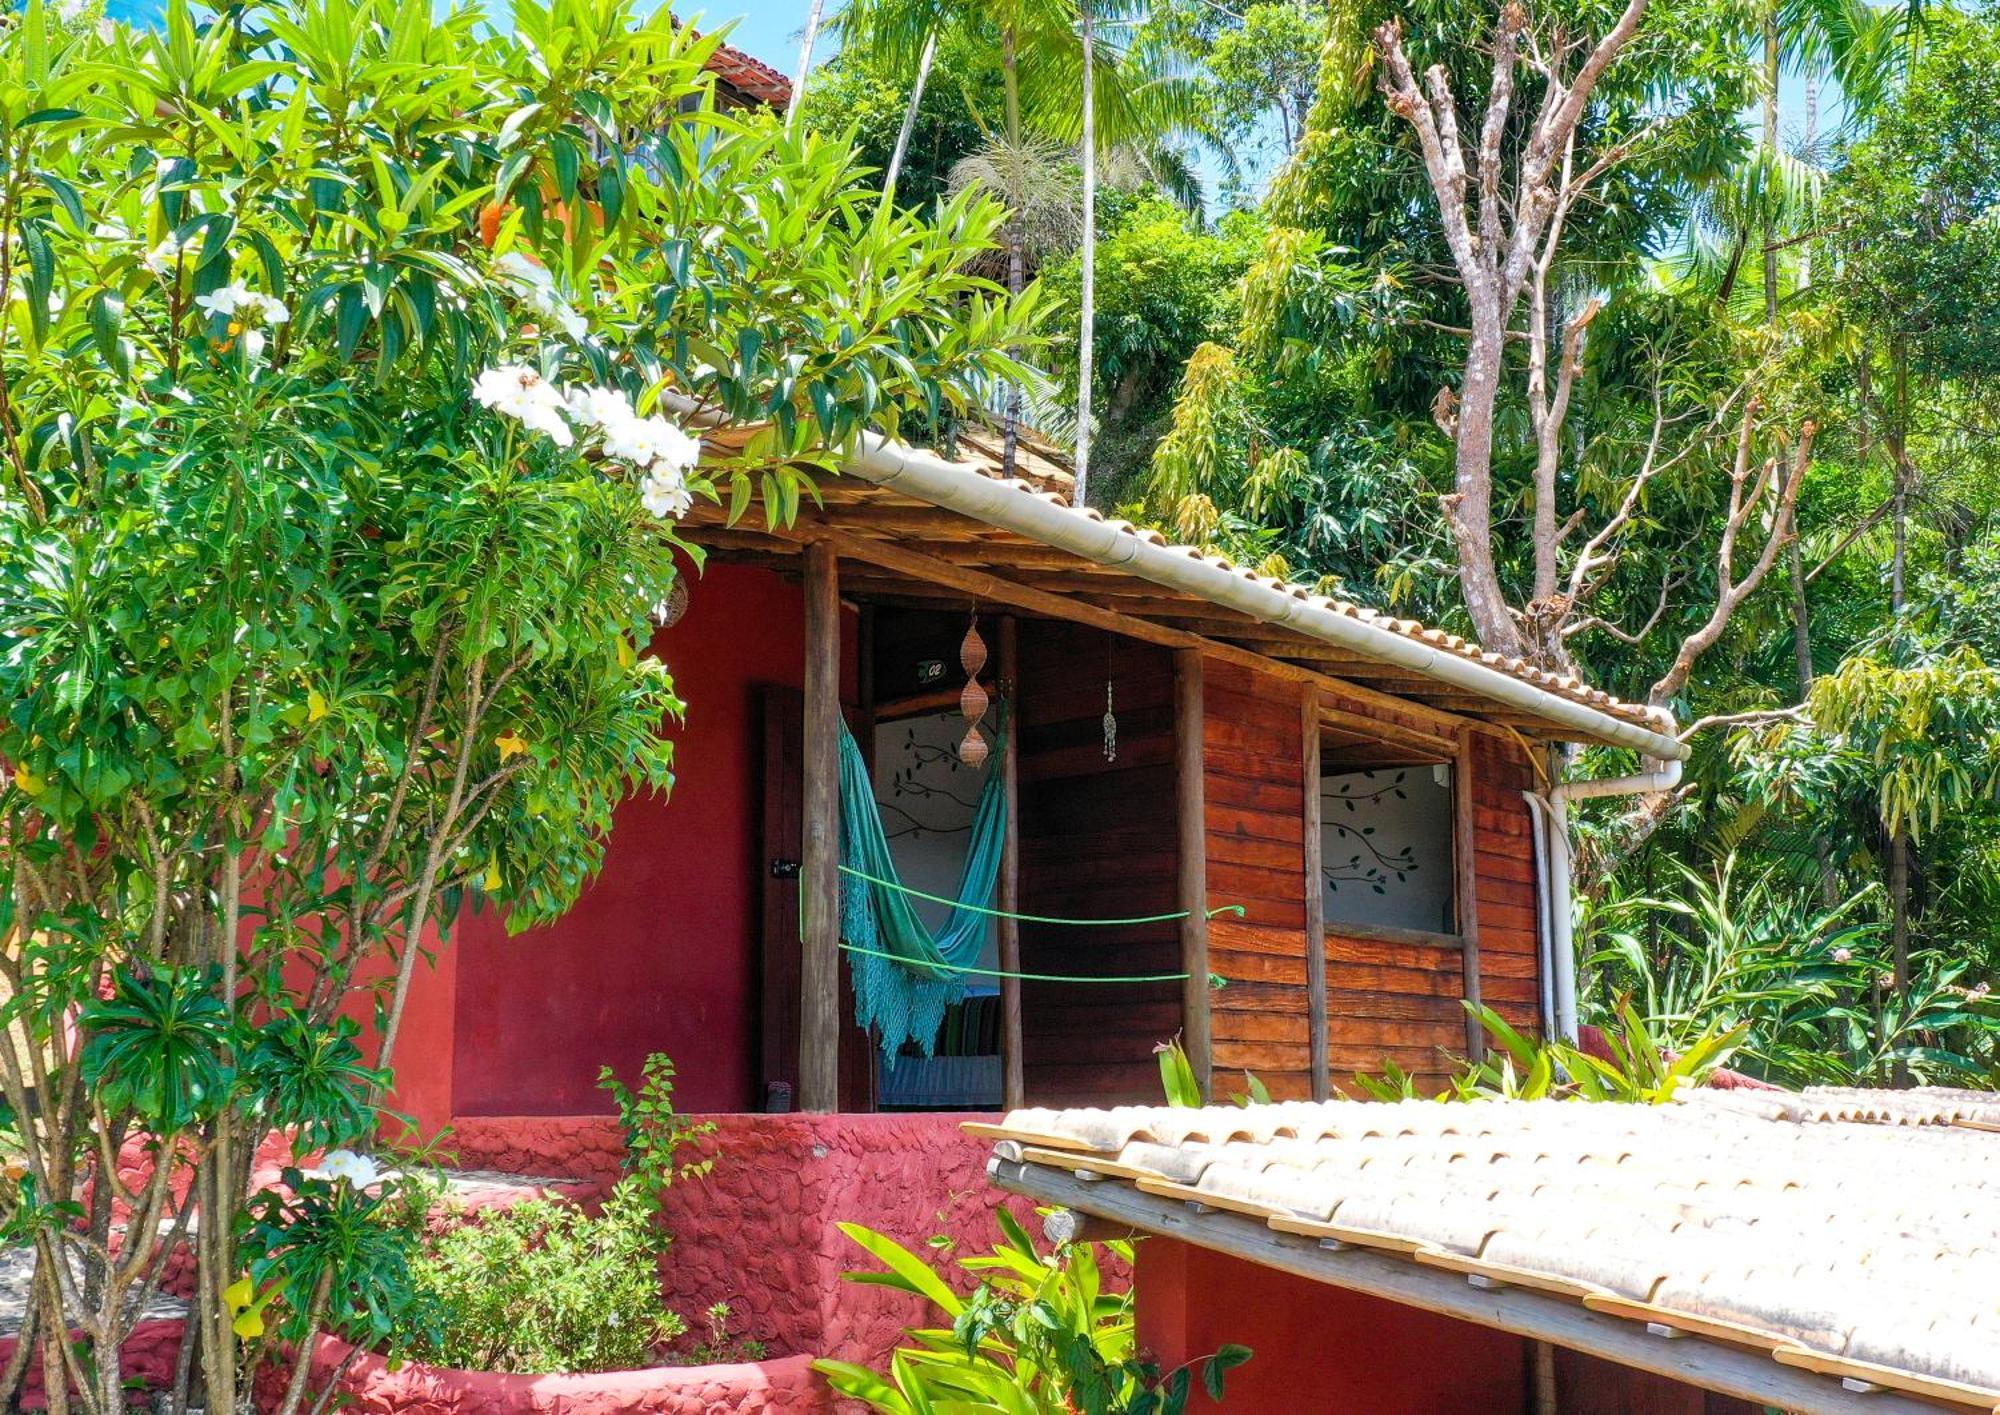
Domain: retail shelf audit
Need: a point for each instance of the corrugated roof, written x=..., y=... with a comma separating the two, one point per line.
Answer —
x=1851, y=1232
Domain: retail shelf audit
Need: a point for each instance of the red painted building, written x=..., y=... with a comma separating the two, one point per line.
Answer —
x=1353, y=794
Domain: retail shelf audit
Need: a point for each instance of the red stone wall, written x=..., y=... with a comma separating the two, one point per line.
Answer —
x=758, y=1232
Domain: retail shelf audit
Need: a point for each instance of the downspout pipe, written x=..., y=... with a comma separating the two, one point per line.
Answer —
x=929, y=477
x=1661, y=774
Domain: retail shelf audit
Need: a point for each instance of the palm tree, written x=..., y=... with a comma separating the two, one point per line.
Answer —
x=1133, y=98
x=1088, y=336
x=805, y=60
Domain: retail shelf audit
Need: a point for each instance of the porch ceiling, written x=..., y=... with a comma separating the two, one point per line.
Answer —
x=896, y=549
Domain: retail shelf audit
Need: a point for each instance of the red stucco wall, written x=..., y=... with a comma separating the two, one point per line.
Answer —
x=1318, y=1348
x=370, y=1386
x=660, y=952
x=759, y=1232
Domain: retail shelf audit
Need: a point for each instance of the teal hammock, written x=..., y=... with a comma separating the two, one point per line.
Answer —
x=905, y=976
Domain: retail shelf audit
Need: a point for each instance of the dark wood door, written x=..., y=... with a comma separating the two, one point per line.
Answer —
x=783, y=713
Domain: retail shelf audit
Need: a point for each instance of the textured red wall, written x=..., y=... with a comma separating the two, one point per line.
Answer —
x=660, y=952
x=759, y=1231
x=1319, y=1348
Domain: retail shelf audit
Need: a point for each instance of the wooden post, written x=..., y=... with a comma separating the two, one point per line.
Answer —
x=1465, y=860
x=1316, y=1021
x=1190, y=817
x=819, y=971
x=1013, y=1089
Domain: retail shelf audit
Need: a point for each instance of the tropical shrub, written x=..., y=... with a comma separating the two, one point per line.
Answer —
x=1038, y=1333
x=1640, y=1069
x=654, y=1130
x=545, y=1285
x=350, y=380
x=1810, y=985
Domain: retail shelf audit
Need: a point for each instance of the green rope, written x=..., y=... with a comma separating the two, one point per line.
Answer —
x=1236, y=909
x=1215, y=980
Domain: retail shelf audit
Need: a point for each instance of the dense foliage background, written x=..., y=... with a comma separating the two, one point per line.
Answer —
x=1272, y=371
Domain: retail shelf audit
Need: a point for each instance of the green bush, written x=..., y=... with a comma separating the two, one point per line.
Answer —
x=547, y=1286
x=1038, y=1333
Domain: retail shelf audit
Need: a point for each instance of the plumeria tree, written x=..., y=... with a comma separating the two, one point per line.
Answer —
x=344, y=423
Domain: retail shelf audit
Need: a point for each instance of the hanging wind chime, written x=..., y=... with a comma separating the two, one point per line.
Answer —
x=972, y=701
x=1110, y=709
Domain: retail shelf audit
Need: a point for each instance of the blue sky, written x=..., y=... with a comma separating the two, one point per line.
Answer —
x=768, y=29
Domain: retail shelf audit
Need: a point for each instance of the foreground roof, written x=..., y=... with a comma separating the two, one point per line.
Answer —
x=1833, y=1241
x=893, y=494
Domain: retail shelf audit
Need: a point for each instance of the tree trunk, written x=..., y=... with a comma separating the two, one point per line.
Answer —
x=1010, y=441
x=805, y=61
x=909, y=118
x=1086, y=343
x=1470, y=507
x=1899, y=931
x=1899, y=451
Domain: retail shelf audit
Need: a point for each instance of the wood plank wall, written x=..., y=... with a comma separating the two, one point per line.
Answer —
x=1387, y=999
x=1255, y=786
x=1502, y=770
x=1097, y=840
x=1399, y=999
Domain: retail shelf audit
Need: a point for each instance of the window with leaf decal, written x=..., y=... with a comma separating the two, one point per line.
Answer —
x=1385, y=846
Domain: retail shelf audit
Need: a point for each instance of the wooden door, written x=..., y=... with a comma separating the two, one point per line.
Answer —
x=782, y=710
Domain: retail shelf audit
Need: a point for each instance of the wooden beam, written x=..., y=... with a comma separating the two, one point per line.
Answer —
x=1465, y=862
x=1442, y=748
x=1013, y=1088
x=997, y=590
x=1190, y=798
x=1316, y=1019
x=819, y=1003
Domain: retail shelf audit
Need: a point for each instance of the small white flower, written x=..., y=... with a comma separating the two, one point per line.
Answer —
x=253, y=344
x=678, y=452
x=273, y=310
x=519, y=392
x=358, y=1170
x=665, y=495
x=225, y=301
x=651, y=443
x=597, y=407
x=516, y=266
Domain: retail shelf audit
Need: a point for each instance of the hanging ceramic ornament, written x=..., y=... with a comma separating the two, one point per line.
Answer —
x=972, y=701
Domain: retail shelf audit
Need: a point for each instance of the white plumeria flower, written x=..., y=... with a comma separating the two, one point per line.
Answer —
x=253, y=344
x=538, y=286
x=597, y=407
x=650, y=442
x=226, y=301
x=358, y=1170
x=570, y=322
x=519, y=392
x=516, y=266
x=665, y=495
x=273, y=310
x=678, y=452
